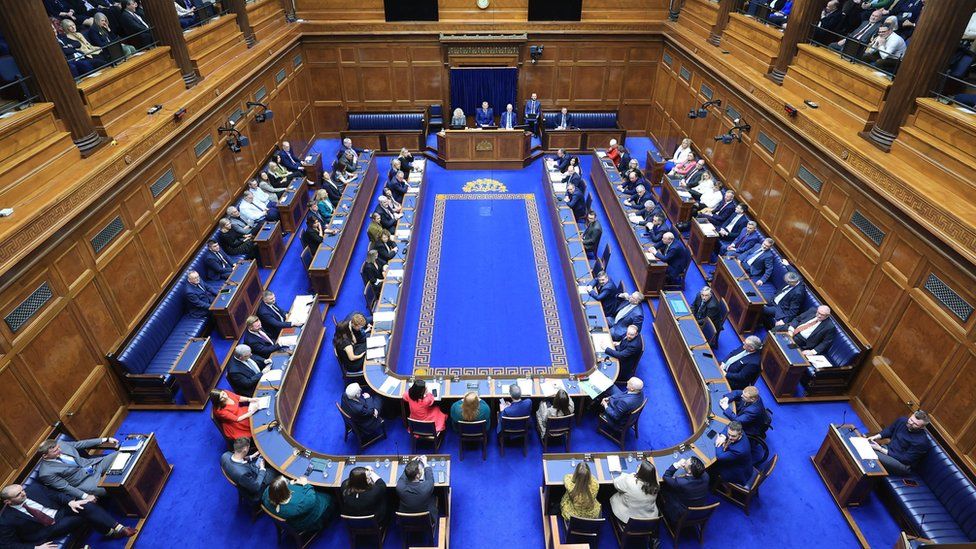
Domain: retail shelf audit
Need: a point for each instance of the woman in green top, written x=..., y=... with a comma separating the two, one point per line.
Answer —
x=470, y=408
x=580, y=497
x=298, y=504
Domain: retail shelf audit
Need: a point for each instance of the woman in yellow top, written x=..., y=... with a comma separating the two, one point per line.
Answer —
x=580, y=498
x=82, y=43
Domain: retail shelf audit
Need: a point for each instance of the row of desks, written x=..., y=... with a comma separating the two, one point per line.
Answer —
x=331, y=260
x=648, y=272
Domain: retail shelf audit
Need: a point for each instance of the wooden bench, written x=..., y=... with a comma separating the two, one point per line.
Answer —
x=752, y=42
x=211, y=44
x=34, y=149
x=944, y=135
x=265, y=16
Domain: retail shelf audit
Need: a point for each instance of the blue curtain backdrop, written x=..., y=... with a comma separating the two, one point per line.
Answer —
x=469, y=87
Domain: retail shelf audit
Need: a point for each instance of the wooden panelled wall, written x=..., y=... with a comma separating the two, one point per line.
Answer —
x=412, y=73
x=54, y=368
x=876, y=282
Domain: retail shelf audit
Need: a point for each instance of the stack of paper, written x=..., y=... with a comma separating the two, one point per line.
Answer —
x=271, y=376
x=819, y=362
x=684, y=194
x=376, y=353
x=863, y=447
x=375, y=341
x=600, y=154
x=613, y=463
x=261, y=403
x=300, y=308
x=559, y=188
x=403, y=234
x=288, y=340
x=583, y=289
x=600, y=380
x=601, y=341
x=384, y=316
x=551, y=386
x=118, y=464
x=389, y=385
x=636, y=219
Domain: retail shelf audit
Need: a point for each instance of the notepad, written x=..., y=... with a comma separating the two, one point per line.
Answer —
x=119, y=463
x=394, y=273
x=613, y=463
x=600, y=380
x=130, y=445
x=271, y=376
x=583, y=289
x=636, y=219
x=819, y=362
x=403, y=234
x=262, y=403
x=300, y=308
x=863, y=447
x=375, y=341
x=389, y=385
x=375, y=353
x=600, y=154
x=551, y=386
x=601, y=341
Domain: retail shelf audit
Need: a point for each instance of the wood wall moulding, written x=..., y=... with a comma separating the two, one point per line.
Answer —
x=751, y=42
x=267, y=18
x=698, y=16
x=944, y=135
x=34, y=149
x=212, y=44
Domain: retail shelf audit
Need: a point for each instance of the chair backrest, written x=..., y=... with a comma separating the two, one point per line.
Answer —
x=723, y=307
x=370, y=294
x=583, y=529
x=436, y=109
x=695, y=516
x=708, y=330
x=641, y=527
x=306, y=257
x=514, y=425
x=345, y=417
x=362, y=526
x=415, y=522
x=422, y=428
x=559, y=425
x=764, y=473
x=473, y=429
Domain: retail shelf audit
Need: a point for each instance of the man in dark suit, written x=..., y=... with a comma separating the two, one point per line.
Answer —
x=813, y=332
x=576, y=201
x=605, y=292
x=758, y=261
x=484, y=115
x=721, y=213
x=741, y=366
x=63, y=468
x=388, y=217
x=628, y=352
x=749, y=410
x=706, y=306
x=564, y=120
x=247, y=470
x=415, y=488
x=531, y=114
x=348, y=149
x=592, y=233
x=363, y=411
x=733, y=456
x=197, y=296
x=733, y=226
x=218, y=265
x=856, y=42
x=516, y=407
x=618, y=406
x=831, y=20
x=625, y=159
x=134, y=24
x=398, y=186
x=101, y=35
x=785, y=305
x=640, y=198
x=259, y=341
x=656, y=228
x=273, y=318
x=288, y=159
x=508, y=120
x=562, y=160
x=748, y=238
x=629, y=313
x=575, y=179
x=674, y=253
x=685, y=485
x=633, y=181
x=346, y=163
x=34, y=516
x=244, y=371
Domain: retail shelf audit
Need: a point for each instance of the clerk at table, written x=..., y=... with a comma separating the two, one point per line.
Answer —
x=907, y=443
x=618, y=406
x=415, y=489
x=484, y=115
x=363, y=411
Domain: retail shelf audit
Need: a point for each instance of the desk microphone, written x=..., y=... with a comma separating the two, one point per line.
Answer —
x=845, y=418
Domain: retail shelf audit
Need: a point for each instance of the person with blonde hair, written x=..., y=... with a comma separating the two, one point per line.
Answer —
x=81, y=43
x=323, y=206
x=469, y=408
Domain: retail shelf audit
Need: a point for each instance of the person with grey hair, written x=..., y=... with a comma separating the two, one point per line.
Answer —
x=786, y=304
x=101, y=35
x=363, y=412
x=388, y=215
x=238, y=224
x=741, y=366
x=253, y=212
x=35, y=515
x=348, y=151
x=628, y=352
x=269, y=186
x=244, y=372
x=758, y=262
x=197, y=296
x=518, y=407
x=619, y=404
x=630, y=313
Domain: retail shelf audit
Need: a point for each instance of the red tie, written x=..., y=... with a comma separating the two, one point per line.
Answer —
x=39, y=515
x=806, y=325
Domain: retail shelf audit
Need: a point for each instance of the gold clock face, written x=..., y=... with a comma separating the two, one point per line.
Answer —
x=483, y=4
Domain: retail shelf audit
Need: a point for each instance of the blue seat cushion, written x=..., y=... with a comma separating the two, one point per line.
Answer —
x=584, y=120
x=187, y=328
x=386, y=121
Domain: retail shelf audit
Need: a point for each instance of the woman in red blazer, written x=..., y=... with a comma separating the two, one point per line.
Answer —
x=423, y=406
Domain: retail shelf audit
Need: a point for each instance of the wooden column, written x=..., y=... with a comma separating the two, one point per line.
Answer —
x=166, y=29
x=722, y=21
x=935, y=38
x=798, y=29
x=239, y=7
x=289, y=7
x=674, y=9
x=31, y=39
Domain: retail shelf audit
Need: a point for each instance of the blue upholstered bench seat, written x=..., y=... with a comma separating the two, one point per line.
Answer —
x=386, y=121
x=942, y=507
x=584, y=120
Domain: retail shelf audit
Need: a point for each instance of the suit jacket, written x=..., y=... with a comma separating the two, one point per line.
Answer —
x=736, y=228
x=688, y=491
x=131, y=25
x=20, y=531
x=743, y=372
x=625, y=159
x=638, y=200
x=657, y=233
x=752, y=416
x=64, y=477
x=722, y=213
x=272, y=319
x=628, y=353
x=710, y=309
x=520, y=408
x=635, y=316
x=198, y=299
x=417, y=497
x=484, y=117
x=822, y=337
x=607, y=296
x=242, y=378
x=677, y=258
x=565, y=121
x=591, y=235
x=532, y=109
x=289, y=161
x=347, y=165
x=746, y=240
x=762, y=268
x=563, y=163
x=397, y=188
x=734, y=464
x=361, y=414
x=247, y=476
x=387, y=220
x=504, y=121
x=789, y=306
x=214, y=269
x=260, y=346
x=621, y=405
x=577, y=204
x=576, y=179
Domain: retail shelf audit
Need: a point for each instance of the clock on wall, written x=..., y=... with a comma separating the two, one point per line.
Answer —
x=483, y=4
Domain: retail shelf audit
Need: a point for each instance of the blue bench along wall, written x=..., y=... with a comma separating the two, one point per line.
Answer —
x=584, y=120
x=387, y=131
x=942, y=504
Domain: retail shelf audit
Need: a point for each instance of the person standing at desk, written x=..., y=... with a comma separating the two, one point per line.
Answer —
x=484, y=115
x=531, y=114
x=564, y=121
x=628, y=352
x=458, y=119
x=415, y=488
x=509, y=119
x=907, y=443
x=592, y=233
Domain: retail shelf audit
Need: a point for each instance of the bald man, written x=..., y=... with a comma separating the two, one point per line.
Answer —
x=618, y=406
x=813, y=332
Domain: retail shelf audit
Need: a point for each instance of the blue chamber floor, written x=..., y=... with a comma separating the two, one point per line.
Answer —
x=496, y=502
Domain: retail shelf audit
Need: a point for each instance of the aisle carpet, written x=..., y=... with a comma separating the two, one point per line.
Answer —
x=495, y=503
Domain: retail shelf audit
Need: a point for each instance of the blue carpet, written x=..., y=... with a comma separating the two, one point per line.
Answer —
x=495, y=503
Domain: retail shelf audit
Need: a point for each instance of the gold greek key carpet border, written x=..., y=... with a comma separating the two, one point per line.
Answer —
x=425, y=324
